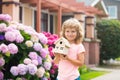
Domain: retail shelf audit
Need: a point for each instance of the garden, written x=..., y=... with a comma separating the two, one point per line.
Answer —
x=87, y=73
x=24, y=53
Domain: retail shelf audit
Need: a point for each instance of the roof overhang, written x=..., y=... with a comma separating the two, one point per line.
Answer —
x=52, y=5
x=101, y=6
x=67, y=6
x=80, y=6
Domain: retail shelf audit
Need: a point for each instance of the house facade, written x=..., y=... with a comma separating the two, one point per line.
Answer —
x=48, y=15
x=113, y=8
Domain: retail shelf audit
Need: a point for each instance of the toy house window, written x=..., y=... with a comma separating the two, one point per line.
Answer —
x=57, y=47
x=61, y=48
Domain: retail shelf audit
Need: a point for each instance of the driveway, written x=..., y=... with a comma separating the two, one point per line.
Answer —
x=113, y=75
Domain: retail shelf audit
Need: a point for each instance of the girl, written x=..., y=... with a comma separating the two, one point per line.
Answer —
x=68, y=65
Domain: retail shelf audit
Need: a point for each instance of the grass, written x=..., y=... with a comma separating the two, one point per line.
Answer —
x=92, y=74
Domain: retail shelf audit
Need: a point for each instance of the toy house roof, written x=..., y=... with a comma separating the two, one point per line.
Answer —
x=67, y=44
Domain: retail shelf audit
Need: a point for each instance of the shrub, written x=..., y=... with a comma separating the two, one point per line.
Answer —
x=51, y=39
x=109, y=34
x=23, y=52
x=83, y=69
x=117, y=59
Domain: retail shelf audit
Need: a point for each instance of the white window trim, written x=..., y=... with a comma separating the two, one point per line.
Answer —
x=115, y=17
x=44, y=11
x=33, y=18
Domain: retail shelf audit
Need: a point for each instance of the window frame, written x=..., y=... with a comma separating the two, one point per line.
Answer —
x=115, y=12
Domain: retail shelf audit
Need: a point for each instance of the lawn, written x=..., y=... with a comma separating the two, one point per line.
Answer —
x=92, y=74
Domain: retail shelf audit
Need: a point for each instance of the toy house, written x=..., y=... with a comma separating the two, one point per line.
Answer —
x=61, y=46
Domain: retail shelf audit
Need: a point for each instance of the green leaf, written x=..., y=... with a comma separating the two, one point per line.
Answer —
x=25, y=35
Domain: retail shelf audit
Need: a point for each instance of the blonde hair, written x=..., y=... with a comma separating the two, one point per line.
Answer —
x=73, y=23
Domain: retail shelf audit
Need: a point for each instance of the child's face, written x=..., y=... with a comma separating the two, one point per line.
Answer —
x=70, y=34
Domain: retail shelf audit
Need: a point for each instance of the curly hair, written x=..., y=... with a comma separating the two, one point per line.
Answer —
x=73, y=23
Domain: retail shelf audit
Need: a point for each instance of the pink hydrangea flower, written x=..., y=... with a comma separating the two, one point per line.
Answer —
x=37, y=46
x=29, y=30
x=44, y=52
x=43, y=38
x=3, y=48
x=33, y=55
x=14, y=70
x=2, y=61
x=1, y=75
x=40, y=72
x=34, y=38
x=54, y=66
x=19, y=38
x=27, y=61
x=39, y=59
x=22, y=69
x=2, y=27
x=50, y=48
x=13, y=48
x=35, y=62
x=47, y=34
x=47, y=65
x=5, y=17
x=45, y=78
x=50, y=42
x=52, y=71
x=9, y=29
x=10, y=36
x=32, y=69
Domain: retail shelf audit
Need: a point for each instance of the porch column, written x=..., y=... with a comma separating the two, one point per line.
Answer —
x=86, y=45
x=94, y=51
x=80, y=16
x=59, y=20
x=11, y=7
x=38, y=17
x=90, y=25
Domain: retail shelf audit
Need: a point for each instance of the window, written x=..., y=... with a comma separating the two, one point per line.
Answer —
x=44, y=22
x=65, y=17
x=34, y=24
x=112, y=10
x=20, y=14
x=51, y=24
x=0, y=7
x=61, y=48
x=57, y=47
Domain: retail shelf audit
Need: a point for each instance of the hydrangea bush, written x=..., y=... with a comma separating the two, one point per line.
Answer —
x=51, y=39
x=23, y=52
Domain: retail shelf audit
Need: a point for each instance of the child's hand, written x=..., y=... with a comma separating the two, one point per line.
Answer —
x=56, y=54
x=64, y=57
x=57, y=58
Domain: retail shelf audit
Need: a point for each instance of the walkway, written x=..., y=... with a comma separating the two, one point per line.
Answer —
x=113, y=75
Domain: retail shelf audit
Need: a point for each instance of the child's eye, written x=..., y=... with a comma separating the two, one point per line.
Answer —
x=73, y=31
x=67, y=31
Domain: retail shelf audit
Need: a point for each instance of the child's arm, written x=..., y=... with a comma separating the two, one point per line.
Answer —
x=57, y=58
x=79, y=61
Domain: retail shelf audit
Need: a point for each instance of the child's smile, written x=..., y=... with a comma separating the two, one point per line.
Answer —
x=70, y=34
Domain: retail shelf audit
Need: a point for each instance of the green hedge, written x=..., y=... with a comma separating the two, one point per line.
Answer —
x=109, y=34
